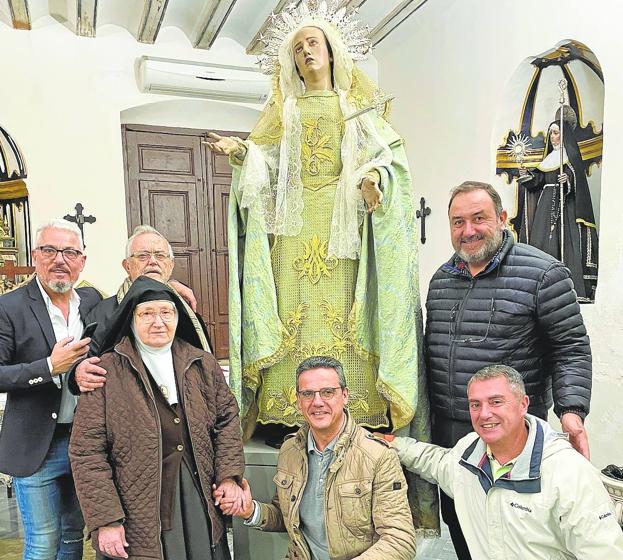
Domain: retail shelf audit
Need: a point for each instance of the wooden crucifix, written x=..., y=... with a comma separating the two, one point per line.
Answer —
x=80, y=219
x=10, y=272
x=422, y=213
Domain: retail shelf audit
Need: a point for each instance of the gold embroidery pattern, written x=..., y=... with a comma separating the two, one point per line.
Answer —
x=293, y=325
x=284, y=401
x=315, y=149
x=251, y=372
x=315, y=262
x=341, y=339
x=343, y=334
x=358, y=402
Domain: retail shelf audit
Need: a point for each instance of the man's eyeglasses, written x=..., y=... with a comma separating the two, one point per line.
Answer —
x=326, y=393
x=149, y=317
x=49, y=252
x=144, y=256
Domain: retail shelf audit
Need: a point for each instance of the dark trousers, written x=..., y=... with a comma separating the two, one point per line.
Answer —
x=447, y=432
x=448, y=513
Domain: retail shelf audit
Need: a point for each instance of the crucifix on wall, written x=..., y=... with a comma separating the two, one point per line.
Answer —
x=80, y=219
x=422, y=213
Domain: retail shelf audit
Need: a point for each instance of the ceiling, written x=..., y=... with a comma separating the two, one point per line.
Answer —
x=203, y=21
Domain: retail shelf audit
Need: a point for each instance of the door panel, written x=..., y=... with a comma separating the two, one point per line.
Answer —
x=176, y=185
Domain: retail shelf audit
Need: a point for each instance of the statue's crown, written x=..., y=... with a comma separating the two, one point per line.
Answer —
x=355, y=36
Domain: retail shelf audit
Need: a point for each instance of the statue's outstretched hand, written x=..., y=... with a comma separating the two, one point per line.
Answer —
x=371, y=193
x=224, y=144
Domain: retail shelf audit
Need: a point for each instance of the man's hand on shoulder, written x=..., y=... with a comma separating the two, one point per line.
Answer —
x=89, y=375
x=572, y=424
x=387, y=439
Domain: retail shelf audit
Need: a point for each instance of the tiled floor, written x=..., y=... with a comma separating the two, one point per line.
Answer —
x=11, y=533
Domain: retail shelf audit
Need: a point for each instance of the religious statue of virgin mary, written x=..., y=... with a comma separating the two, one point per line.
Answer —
x=321, y=234
x=322, y=243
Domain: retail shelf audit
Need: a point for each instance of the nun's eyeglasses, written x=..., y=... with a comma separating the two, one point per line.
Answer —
x=149, y=317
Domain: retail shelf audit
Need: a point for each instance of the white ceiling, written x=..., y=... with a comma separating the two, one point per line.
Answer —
x=242, y=23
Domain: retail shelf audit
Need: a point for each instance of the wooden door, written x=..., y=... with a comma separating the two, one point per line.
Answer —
x=176, y=185
x=219, y=183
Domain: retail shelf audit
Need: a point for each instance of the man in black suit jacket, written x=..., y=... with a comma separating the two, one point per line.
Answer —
x=41, y=325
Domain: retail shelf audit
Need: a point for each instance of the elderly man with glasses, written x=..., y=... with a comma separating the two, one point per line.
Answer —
x=340, y=492
x=41, y=325
x=148, y=253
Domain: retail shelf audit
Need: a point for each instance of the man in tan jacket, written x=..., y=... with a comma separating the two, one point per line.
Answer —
x=341, y=493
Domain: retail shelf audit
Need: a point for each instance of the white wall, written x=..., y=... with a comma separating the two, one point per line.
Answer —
x=461, y=54
x=61, y=99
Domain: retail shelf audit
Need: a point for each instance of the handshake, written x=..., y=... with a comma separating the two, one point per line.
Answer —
x=234, y=499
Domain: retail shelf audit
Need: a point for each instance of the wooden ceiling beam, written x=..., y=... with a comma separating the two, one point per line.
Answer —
x=214, y=19
x=86, y=18
x=256, y=45
x=20, y=14
x=392, y=20
x=153, y=14
x=352, y=4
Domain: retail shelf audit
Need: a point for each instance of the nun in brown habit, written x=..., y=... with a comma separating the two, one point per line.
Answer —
x=147, y=447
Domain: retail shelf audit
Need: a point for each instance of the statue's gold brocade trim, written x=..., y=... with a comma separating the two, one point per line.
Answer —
x=315, y=261
x=315, y=147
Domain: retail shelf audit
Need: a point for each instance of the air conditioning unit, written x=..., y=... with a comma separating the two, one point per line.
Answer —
x=202, y=79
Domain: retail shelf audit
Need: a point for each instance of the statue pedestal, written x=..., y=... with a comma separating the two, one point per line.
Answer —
x=261, y=462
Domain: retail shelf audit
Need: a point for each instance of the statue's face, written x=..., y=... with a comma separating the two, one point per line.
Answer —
x=554, y=135
x=311, y=54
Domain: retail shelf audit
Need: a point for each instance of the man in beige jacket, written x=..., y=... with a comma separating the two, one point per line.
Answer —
x=341, y=493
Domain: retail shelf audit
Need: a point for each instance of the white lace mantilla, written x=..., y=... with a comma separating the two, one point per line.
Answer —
x=272, y=190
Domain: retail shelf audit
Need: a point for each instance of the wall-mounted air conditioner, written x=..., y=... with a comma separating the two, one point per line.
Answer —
x=202, y=79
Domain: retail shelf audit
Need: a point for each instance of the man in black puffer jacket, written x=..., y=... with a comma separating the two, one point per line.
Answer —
x=500, y=302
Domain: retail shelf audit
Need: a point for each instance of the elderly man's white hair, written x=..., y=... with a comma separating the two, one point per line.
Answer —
x=142, y=230
x=59, y=223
